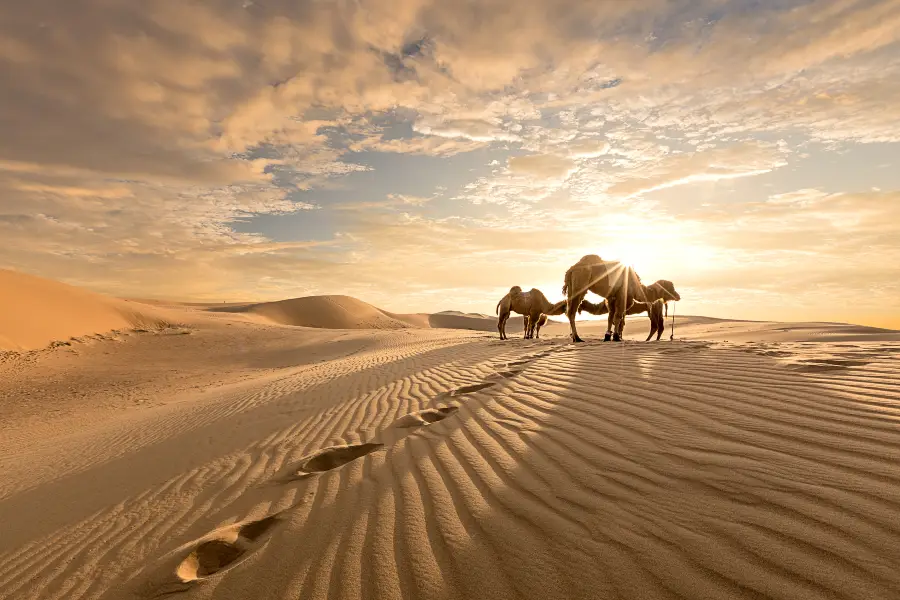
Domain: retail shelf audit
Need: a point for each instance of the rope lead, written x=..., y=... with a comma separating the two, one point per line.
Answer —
x=672, y=337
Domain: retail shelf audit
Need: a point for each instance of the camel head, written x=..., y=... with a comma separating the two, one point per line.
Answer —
x=663, y=290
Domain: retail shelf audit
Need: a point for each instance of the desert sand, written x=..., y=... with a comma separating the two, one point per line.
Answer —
x=325, y=448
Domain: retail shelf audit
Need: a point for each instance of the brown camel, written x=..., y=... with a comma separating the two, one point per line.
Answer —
x=533, y=305
x=658, y=296
x=619, y=284
x=557, y=309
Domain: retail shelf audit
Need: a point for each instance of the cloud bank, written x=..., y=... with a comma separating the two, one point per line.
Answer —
x=258, y=149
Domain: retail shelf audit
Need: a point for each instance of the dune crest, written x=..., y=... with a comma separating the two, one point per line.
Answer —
x=347, y=312
x=35, y=312
x=323, y=312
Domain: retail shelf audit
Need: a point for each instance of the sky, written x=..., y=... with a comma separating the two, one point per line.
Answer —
x=428, y=155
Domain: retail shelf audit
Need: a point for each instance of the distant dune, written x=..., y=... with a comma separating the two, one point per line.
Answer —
x=346, y=312
x=325, y=312
x=35, y=312
x=475, y=322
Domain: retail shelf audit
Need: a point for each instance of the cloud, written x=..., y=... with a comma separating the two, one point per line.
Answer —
x=393, y=201
x=427, y=145
x=587, y=148
x=471, y=129
x=135, y=134
x=543, y=166
x=731, y=162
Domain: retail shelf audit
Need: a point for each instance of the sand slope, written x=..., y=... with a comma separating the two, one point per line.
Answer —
x=707, y=328
x=35, y=312
x=445, y=464
x=329, y=312
x=456, y=320
x=346, y=312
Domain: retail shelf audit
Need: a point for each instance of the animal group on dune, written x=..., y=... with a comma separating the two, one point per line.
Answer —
x=620, y=286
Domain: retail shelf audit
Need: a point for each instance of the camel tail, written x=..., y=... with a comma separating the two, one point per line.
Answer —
x=567, y=282
x=497, y=310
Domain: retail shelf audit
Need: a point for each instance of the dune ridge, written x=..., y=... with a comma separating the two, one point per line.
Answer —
x=346, y=312
x=36, y=312
x=327, y=312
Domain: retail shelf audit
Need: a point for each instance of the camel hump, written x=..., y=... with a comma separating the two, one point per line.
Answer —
x=589, y=259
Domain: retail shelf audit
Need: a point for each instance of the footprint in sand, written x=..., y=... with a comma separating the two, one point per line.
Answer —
x=504, y=374
x=468, y=389
x=518, y=363
x=424, y=417
x=326, y=459
x=214, y=555
x=825, y=365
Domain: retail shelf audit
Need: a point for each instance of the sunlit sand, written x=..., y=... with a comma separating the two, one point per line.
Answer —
x=324, y=448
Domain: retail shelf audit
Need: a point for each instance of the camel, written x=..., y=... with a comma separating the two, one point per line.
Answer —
x=557, y=309
x=659, y=294
x=619, y=284
x=533, y=305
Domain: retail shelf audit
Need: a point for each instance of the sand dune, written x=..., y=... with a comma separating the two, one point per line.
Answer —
x=449, y=320
x=253, y=460
x=346, y=312
x=329, y=312
x=36, y=312
x=691, y=327
x=423, y=463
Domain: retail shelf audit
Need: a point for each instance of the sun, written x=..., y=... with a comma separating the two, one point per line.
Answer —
x=642, y=257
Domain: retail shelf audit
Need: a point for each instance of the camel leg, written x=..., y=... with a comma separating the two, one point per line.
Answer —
x=501, y=324
x=616, y=320
x=541, y=320
x=571, y=309
x=660, y=326
x=527, y=325
x=536, y=326
x=620, y=327
x=611, y=318
x=652, y=326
